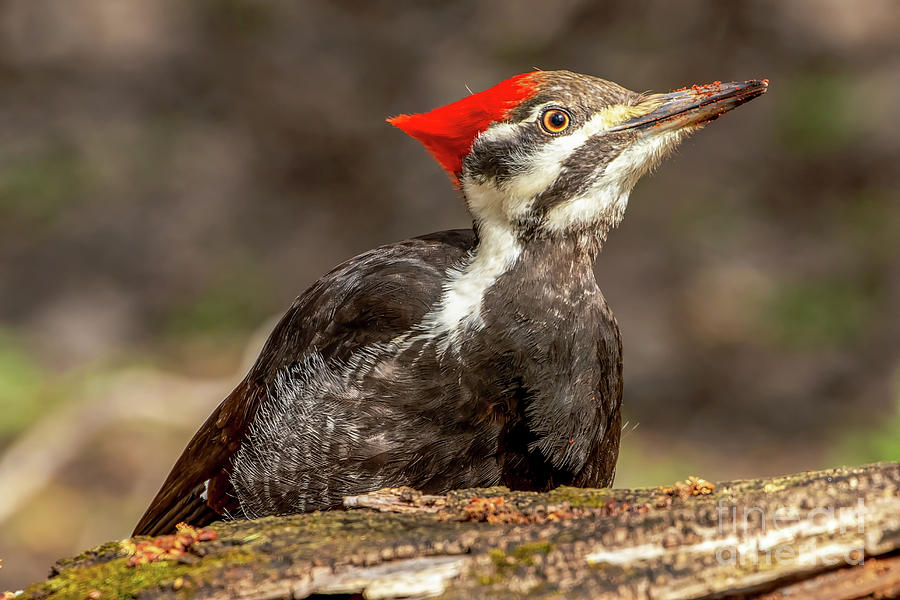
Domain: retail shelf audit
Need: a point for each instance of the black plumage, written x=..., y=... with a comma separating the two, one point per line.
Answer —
x=323, y=426
x=519, y=402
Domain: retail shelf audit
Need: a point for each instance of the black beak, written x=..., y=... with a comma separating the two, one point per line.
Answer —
x=695, y=105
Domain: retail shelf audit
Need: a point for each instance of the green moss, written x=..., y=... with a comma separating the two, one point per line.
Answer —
x=108, y=550
x=499, y=558
x=116, y=581
x=111, y=579
x=522, y=554
x=579, y=497
x=525, y=552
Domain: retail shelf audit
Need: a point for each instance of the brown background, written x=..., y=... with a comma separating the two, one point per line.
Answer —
x=172, y=174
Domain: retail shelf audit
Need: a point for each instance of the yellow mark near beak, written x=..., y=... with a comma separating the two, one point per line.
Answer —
x=617, y=114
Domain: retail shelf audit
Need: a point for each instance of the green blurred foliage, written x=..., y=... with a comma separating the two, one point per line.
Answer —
x=235, y=302
x=642, y=463
x=36, y=189
x=242, y=18
x=869, y=220
x=21, y=386
x=806, y=315
x=817, y=114
x=872, y=445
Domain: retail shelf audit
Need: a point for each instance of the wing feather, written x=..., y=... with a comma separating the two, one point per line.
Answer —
x=369, y=299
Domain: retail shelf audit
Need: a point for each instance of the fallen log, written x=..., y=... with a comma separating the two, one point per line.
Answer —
x=827, y=534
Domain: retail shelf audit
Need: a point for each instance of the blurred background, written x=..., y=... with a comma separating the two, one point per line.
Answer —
x=173, y=174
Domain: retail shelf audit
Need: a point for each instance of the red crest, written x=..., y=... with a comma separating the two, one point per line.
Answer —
x=449, y=131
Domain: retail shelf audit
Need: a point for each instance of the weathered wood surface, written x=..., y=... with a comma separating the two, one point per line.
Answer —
x=798, y=536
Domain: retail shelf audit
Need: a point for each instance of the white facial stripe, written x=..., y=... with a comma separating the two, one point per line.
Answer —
x=608, y=196
x=514, y=198
x=602, y=120
x=501, y=131
x=547, y=164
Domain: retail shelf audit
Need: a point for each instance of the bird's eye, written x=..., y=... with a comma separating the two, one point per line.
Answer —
x=555, y=120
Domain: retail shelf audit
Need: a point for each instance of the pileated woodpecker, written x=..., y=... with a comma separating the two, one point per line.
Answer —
x=468, y=358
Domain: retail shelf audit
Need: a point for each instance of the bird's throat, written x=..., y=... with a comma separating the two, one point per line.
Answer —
x=497, y=251
x=512, y=270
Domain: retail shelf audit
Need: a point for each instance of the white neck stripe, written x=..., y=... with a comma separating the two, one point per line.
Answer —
x=466, y=286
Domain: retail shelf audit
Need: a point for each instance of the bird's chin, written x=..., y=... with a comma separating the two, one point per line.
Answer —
x=602, y=206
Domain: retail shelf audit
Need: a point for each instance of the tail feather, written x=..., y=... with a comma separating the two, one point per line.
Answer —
x=191, y=509
x=197, y=490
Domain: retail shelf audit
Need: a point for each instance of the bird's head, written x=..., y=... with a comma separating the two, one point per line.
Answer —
x=555, y=153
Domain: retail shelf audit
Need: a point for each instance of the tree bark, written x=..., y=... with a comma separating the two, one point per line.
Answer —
x=827, y=534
